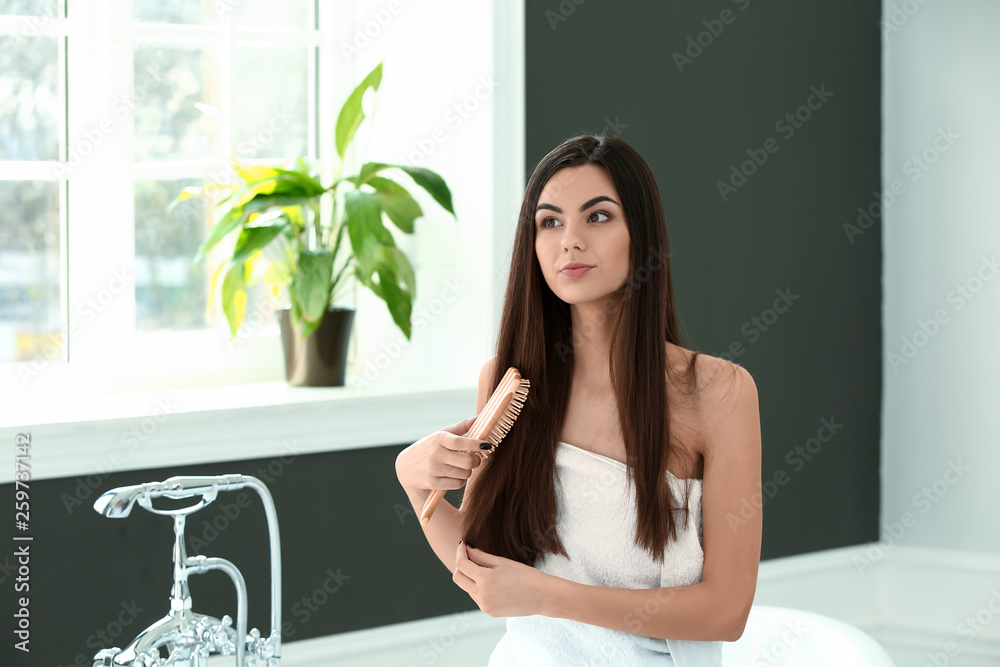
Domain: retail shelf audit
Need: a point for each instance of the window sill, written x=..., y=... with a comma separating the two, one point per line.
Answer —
x=101, y=434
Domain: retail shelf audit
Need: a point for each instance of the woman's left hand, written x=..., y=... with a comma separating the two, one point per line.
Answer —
x=500, y=586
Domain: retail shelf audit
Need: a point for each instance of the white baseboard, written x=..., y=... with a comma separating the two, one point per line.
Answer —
x=912, y=600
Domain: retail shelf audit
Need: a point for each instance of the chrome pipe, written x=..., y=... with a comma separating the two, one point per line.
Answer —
x=191, y=637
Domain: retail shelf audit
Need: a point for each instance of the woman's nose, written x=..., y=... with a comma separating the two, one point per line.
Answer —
x=571, y=238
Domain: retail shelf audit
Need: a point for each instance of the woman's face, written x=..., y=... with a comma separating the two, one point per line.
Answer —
x=579, y=220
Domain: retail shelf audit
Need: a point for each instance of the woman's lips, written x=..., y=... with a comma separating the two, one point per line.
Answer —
x=576, y=272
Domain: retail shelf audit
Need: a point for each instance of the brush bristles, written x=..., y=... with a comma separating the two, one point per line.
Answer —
x=510, y=413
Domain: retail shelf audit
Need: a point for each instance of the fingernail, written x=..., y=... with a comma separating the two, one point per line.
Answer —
x=484, y=445
x=470, y=546
x=460, y=541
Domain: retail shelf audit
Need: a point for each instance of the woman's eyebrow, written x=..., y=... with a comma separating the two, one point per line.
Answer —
x=587, y=204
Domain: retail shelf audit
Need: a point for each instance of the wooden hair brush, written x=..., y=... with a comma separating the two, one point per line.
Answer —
x=492, y=424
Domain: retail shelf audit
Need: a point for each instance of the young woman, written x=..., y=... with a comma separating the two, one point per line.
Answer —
x=619, y=521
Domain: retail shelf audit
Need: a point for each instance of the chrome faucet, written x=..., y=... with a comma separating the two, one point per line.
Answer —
x=187, y=637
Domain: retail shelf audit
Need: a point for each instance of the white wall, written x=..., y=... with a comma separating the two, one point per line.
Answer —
x=941, y=236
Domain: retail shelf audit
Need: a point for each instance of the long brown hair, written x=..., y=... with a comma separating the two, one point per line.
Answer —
x=511, y=509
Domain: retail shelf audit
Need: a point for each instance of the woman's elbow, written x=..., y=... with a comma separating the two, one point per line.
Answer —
x=736, y=626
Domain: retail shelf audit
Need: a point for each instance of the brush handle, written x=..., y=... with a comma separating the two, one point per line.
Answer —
x=481, y=429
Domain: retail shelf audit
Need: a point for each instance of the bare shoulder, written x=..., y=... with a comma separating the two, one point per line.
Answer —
x=728, y=401
x=723, y=391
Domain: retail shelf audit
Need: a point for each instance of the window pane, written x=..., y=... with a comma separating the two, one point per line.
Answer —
x=52, y=8
x=269, y=108
x=168, y=82
x=30, y=317
x=29, y=98
x=269, y=14
x=170, y=291
x=179, y=11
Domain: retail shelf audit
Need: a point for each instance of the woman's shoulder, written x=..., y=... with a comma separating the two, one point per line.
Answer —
x=710, y=371
x=719, y=383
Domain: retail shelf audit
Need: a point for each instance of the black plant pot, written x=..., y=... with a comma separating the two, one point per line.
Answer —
x=319, y=360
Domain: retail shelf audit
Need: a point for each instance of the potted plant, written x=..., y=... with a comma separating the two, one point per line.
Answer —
x=280, y=208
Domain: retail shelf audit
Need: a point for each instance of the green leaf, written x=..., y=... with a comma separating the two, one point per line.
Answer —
x=402, y=268
x=400, y=303
x=351, y=114
x=363, y=216
x=369, y=169
x=311, y=283
x=261, y=202
x=285, y=183
x=397, y=202
x=230, y=221
x=432, y=183
x=425, y=178
x=252, y=239
x=234, y=296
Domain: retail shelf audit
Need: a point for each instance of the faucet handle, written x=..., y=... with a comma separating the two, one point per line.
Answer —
x=104, y=657
x=216, y=636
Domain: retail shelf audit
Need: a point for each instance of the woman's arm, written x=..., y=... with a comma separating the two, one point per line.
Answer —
x=444, y=529
x=716, y=608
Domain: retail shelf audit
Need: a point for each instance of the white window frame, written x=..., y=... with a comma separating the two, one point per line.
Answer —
x=79, y=427
x=101, y=38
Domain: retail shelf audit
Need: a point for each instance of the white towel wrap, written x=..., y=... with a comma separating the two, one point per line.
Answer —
x=596, y=520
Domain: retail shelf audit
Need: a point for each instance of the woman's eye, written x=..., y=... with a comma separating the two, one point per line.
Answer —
x=544, y=224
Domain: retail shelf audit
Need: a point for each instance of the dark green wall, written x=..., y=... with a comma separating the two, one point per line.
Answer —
x=611, y=67
x=607, y=67
x=345, y=523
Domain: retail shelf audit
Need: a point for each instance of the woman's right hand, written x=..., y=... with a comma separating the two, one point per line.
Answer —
x=442, y=460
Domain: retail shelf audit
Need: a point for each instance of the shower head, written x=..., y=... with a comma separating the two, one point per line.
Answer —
x=117, y=503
